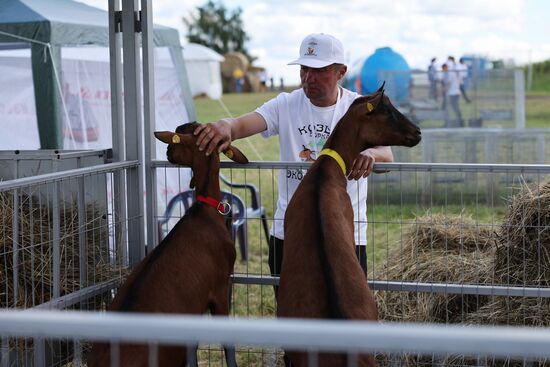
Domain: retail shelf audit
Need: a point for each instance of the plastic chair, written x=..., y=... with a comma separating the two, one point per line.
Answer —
x=237, y=216
x=255, y=210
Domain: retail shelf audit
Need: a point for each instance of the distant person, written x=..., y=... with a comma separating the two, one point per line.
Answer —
x=271, y=84
x=238, y=76
x=451, y=64
x=303, y=119
x=451, y=94
x=462, y=70
x=433, y=78
x=281, y=84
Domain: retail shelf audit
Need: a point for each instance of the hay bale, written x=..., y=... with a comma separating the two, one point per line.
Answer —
x=449, y=233
x=35, y=251
x=233, y=61
x=522, y=258
x=523, y=255
x=517, y=311
x=438, y=249
x=435, y=267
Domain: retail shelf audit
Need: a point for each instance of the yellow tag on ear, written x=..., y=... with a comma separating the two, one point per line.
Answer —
x=370, y=107
x=176, y=139
x=228, y=153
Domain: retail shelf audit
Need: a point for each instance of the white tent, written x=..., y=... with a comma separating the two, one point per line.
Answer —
x=203, y=70
x=86, y=105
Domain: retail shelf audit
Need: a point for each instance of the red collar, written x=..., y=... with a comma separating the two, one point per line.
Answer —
x=221, y=207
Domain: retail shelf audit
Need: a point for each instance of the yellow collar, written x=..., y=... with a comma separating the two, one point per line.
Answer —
x=337, y=157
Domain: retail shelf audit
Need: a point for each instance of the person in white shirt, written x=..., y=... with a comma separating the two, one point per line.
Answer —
x=462, y=70
x=433, y=78
x=303, y=119
x=451, y=94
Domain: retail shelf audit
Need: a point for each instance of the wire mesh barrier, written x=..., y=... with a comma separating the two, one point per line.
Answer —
x=59, y=245
x=463, y=244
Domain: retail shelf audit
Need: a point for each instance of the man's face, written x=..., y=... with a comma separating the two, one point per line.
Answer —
x=319, y=84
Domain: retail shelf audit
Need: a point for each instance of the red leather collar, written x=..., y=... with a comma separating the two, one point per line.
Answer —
x=221, y=207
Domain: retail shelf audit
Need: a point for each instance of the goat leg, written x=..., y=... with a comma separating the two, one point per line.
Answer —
x=230, y=356
x=192, y=351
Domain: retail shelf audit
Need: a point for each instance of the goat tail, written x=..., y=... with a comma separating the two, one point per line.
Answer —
x=332, y=299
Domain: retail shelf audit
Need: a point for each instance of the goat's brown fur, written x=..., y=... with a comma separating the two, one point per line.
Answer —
x=188, y=272
x=320, y=274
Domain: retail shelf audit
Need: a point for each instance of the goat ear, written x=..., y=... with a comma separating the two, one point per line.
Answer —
x=169, y=137
x=235, y=155
x=374, y=101
x=164, y=136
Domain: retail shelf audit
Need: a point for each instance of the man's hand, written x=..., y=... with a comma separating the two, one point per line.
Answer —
x=213, y=136
x=362, y=166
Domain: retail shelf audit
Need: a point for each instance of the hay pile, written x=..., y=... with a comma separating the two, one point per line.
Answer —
x=523, y=256
x=438, y=249
x=35, y=277
x=522, y=259
x=442, y=249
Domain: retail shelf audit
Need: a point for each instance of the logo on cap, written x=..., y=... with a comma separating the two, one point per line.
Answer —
x=310, y=52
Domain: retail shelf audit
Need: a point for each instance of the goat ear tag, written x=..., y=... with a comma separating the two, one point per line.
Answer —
x=176, y=139
x=228, y=153
x=370, y=107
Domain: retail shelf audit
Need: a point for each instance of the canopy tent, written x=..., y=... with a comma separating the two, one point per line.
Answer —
x=48, y=26
x=203, y=68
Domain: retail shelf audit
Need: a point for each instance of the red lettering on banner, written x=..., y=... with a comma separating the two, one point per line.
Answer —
x=102, y=94
x=85, y=93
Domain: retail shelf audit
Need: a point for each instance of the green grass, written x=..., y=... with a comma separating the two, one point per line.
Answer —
x=537, y=110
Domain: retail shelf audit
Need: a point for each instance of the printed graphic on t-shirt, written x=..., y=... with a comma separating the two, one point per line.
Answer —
x=306, y=155
x=314, y=137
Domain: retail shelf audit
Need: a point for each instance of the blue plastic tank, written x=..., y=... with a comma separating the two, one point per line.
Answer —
x=366, y=75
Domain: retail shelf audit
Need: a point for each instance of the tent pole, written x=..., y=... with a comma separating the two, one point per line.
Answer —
x=181, y=71
x=46, y=95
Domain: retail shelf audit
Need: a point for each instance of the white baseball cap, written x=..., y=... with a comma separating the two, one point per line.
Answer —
x=319, y=50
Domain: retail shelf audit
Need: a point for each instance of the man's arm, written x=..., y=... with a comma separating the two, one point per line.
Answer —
x=364, y=163
x=220, y=134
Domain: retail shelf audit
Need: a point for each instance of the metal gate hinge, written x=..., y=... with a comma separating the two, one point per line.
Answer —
x=118, y=21
x=137, y=20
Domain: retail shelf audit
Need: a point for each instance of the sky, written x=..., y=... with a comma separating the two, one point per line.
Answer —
x=516, y=31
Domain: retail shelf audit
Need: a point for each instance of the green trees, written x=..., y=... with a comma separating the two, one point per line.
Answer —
x=218, y=28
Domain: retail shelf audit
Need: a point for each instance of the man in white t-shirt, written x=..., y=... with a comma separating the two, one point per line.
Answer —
x=462, y=70
x=451, y=90
x=304, y=119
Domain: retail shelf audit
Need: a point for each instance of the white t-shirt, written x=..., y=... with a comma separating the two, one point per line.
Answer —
x=452, y=83
x=303, y=129
x=462, y=70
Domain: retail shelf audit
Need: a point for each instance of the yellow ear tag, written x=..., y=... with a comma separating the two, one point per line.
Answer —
x=229, y=153
x=370, y=107
x=176, y=139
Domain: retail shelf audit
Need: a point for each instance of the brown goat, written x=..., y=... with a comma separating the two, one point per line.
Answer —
x=188, y=272
x=320, y=274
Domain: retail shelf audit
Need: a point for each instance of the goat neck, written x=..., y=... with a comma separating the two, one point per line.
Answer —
x=206, y=171
x=344, y=141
